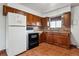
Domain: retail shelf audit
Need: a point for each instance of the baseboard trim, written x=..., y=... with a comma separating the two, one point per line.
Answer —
x=21, y=53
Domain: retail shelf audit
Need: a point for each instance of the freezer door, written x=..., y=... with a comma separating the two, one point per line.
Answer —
x=16, y=41
x=16, y=19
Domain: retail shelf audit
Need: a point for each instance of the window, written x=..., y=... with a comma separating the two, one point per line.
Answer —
x=52, y=24
x=56, y=23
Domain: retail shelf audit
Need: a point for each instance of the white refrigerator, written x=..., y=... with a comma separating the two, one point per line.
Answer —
x=16, y=41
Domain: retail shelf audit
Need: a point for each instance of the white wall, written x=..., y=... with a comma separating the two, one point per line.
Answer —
x=75, y=25
x=57, y=12
x=2, y=28
x=24, y=8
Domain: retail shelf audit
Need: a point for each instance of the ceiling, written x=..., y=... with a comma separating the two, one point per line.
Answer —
x=46, y=7
x=40, y=7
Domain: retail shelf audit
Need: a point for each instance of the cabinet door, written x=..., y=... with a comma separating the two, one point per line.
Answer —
x=66, y=39
x=38, y=22
x=62, y=40
x=34, y=20
x=42, y=37
x=67, y=19
x=45, y=22
x=50, y=38
x=29, y=19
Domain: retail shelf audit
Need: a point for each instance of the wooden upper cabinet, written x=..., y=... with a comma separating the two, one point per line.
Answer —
x=38, y=21
x=33, y=20
x=67, y=19
x=7, y=9
x=45, y=21
x=29, y=19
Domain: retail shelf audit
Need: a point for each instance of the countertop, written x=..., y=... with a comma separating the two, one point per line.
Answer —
x=32, y=31
x=58, y=31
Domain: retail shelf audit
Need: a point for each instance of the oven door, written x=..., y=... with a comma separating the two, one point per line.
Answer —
x=33, y=40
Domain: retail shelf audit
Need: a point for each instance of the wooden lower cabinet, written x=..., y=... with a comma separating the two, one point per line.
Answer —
x=56, y=38
x=42, y=37
x=50, y=38
x=59, y=39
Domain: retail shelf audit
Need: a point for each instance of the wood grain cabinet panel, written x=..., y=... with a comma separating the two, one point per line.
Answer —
x=38, y=22
x=50, y=39
x=42, y=37
x=33, y=20
x=7, y=9
x=67, y=19
x=30, y=19
x=45, y=22
x=59, y=39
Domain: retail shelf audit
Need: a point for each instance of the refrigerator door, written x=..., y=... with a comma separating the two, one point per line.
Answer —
x=16, y=40
x=16, y=19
